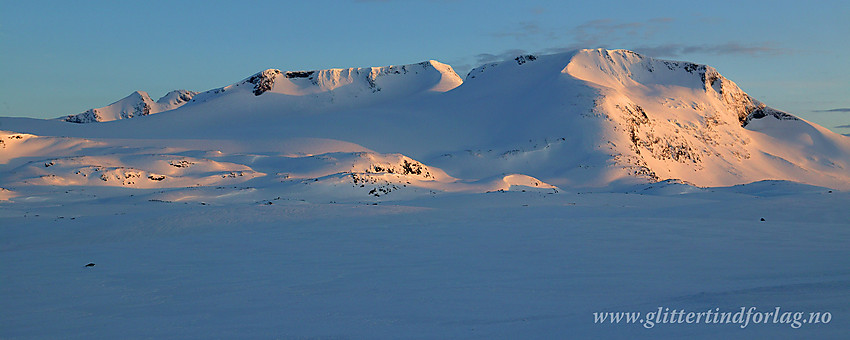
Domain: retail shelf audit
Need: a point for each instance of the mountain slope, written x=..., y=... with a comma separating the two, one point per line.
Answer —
x=686, y=121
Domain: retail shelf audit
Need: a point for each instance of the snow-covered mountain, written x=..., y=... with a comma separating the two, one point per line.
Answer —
x=587, y=118
x=137, y=104
x=381, y=202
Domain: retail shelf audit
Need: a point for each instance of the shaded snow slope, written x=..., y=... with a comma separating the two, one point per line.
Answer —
x=587, y=118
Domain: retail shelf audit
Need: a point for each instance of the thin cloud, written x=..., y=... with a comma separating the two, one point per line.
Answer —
x=595, y=32
x=676, y=50
x=605, y=32
x=463, y=66
x=384, y=1
x=486, y=58
x=841, y=109
x=729, y=48
x=608, y=33
x=524, y=30
x=661, y=20
x=591, y=31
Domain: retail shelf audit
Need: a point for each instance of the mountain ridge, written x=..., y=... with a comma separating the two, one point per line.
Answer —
x=137, y=104
x=435, y=77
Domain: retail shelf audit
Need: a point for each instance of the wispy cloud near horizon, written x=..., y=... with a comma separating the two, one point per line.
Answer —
x=609, y=33
x=675, y=50
x=595, y=32
x=484, y=58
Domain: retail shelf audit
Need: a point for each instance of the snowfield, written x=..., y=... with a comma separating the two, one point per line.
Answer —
x=497, y=265
x=405, y=202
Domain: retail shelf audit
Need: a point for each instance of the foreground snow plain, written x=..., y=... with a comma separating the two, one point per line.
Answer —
x=492, y=265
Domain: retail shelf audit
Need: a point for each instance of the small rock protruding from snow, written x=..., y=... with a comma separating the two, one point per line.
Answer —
x=525, y=58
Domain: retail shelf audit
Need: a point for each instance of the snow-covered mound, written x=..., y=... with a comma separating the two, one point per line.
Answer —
x=587, y=118
x=137, y=104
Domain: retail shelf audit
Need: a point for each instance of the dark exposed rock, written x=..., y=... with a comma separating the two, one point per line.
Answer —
x=691, y=67
x=140, y=109
x=89, y=116
x=525, y=58
x=299, y=74
x=765, y=111
x=180, y=163
x=263, y=81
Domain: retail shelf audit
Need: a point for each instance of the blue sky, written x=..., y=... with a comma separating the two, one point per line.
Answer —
x=62, y=57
